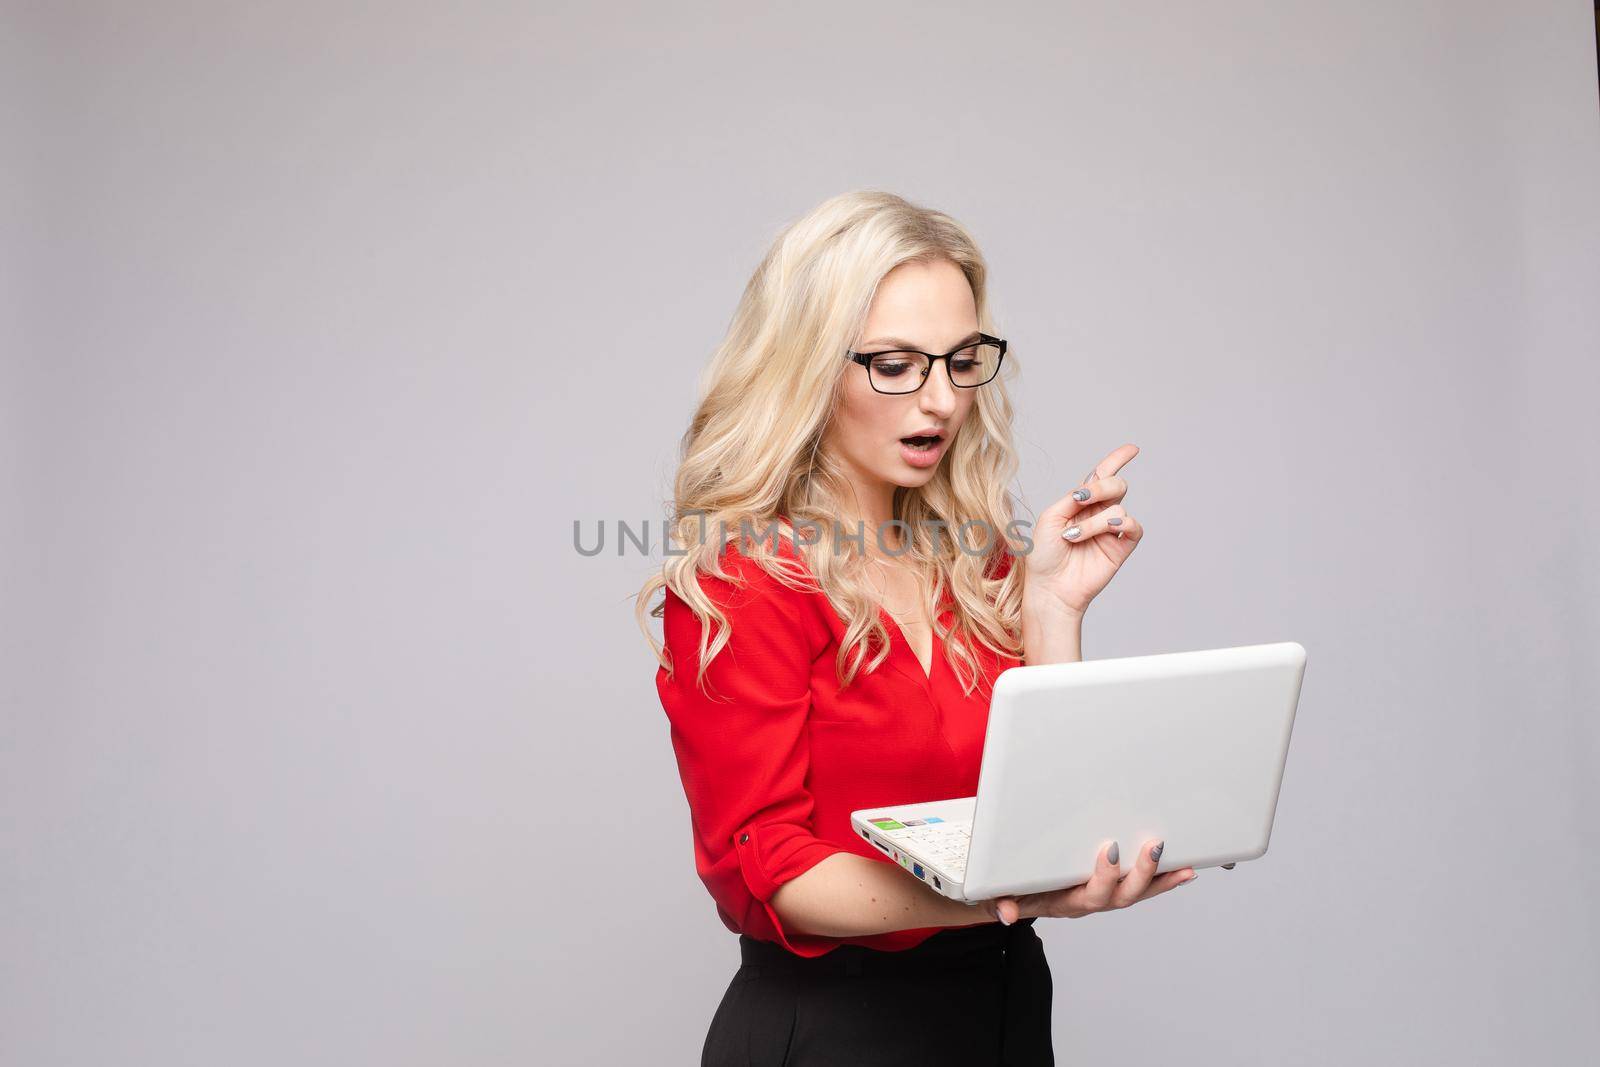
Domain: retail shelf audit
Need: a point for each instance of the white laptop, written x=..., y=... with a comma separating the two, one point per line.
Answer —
x=1184, y=747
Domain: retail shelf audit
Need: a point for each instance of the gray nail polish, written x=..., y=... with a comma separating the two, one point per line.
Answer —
x=1070, y=532
x=1155, y=853
x=1113, y=856
x=1113, y=522
x=1080, y=495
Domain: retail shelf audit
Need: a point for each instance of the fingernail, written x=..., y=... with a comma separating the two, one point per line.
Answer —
x=1070, y=532
x=1189, y=879
x=1001, y=916
x=1113, y=522
x=1155, y=853
x=1080, y=495
x=1113, y=856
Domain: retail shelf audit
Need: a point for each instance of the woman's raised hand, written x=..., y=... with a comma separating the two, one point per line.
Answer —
x=1106, y=890
x=1067, y=572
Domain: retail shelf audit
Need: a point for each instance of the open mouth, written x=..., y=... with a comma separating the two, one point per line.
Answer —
x=922, y=444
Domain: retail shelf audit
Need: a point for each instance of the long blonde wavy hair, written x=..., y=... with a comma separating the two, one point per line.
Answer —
x=752, y=454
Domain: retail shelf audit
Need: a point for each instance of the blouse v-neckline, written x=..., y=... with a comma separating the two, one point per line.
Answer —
x=923, y=675
x=935, y=645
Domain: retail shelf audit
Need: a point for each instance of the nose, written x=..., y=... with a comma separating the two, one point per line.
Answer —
x=938, y=394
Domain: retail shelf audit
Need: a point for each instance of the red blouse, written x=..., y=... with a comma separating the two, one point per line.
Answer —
x=774, y=762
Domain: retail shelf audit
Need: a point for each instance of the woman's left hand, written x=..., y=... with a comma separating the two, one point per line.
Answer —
x=1065, y=573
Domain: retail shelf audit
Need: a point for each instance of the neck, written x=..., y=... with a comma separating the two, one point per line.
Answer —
x=870, y=508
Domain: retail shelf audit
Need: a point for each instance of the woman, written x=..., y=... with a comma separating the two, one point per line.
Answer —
x=841, y=594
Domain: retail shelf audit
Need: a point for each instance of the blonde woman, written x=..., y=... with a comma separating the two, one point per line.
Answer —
x=846, y=582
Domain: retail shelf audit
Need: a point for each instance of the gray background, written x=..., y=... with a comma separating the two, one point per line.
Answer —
x=324, y=322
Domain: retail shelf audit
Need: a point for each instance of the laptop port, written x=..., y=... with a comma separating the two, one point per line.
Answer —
x=936, y=884
x=916, y=869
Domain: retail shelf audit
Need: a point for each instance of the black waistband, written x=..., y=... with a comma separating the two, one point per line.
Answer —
x=952, y=945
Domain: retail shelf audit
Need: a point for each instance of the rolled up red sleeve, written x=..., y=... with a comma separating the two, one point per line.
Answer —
x=742, y=747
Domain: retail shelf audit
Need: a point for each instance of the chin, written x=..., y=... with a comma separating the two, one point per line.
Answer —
x=908, y=477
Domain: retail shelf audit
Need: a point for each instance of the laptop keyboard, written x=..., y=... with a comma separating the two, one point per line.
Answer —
x=942, y=844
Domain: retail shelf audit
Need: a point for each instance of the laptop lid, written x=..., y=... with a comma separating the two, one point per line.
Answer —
x=1185, y=747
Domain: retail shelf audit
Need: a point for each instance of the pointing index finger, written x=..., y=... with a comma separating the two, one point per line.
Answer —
x=1113, y=463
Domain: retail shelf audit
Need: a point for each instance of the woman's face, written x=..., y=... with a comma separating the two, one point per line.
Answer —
x=921, y=305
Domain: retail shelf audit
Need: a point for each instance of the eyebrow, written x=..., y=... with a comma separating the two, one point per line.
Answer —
x=901, y=342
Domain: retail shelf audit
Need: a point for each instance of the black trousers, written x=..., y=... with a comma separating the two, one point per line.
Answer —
x=970, y=996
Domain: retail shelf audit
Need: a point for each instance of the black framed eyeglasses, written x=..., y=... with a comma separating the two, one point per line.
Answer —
x=904, y=370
